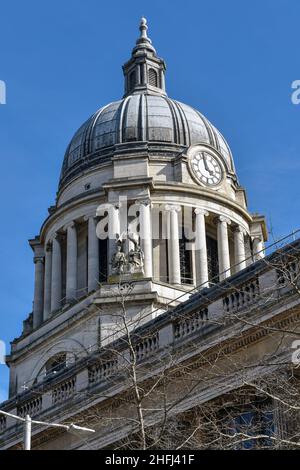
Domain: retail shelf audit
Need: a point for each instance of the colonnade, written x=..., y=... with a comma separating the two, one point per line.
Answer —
x=48, y=268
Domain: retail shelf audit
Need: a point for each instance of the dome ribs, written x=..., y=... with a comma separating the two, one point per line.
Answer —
x=140, y=118
x=120, y=121
x=146, y=119
x=185, y=127
x=176, y=132
x=89, y=134
x=208, y=127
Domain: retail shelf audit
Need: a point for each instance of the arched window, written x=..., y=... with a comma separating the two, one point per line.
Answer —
x=56, y=364
x=153, y=78
x=132, y=80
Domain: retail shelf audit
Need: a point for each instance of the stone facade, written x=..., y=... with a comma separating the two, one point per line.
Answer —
x=238, y=332
x=157, y=169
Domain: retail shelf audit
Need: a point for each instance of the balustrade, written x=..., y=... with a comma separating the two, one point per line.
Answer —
x=102, y=371
x=242, y=297
x=288, y=273
x=2, y=424
x=147, y=347
x=191, y=323
x=31, y=408
x=64, y=391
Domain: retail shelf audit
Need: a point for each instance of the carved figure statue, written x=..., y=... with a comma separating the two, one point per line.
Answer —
x=118, y=261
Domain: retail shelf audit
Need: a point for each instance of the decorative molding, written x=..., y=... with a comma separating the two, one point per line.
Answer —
x=222, y=219
x=201, y=211
x=172, y=207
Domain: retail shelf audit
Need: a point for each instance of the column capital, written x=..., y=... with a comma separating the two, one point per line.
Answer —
x=48, y=246
x=93, y=216
x=240, y=229
x=259, y=238
x=222, y=219
x=38, y=259
x=57, y=236
x=144, y=202
x=172, y=207
x=201, y=211
x=71, y=224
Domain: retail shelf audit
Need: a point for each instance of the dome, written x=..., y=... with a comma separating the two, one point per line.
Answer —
x=137, y=119
x=145, y=118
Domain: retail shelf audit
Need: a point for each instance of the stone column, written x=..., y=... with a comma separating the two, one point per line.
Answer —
x=93, y=255
x=145, y=77
x=47, y=281
x=138, y=74
x=258, y=248
x=173, y=244
x=201, y=249
x=38, y=302
x=56, y=278
x=162, y=80
x=113, y=231
x=239, y=248
x=71, y=277
x=223, y=247
x=146, y=235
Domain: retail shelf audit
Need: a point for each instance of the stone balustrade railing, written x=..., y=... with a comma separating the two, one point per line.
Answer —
x=190, y=324
x=2, y=424
x=171, y=330
x=242, y=297
x=64, y=391
x=147, y=347
x=32, y=407
x=102, y=370
x=288, y=272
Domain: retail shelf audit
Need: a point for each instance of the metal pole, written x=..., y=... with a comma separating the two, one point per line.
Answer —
x=28, y=424
x=27, y=433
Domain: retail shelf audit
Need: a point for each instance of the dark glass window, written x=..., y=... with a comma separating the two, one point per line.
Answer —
x=212, y=259
x=56, y=364
x=185, y=262
x=103, y=260
x=252, y=422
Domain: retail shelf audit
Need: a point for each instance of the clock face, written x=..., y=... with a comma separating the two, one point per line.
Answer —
x=206, y=168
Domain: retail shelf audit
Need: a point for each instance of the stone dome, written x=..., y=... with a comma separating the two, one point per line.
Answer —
x=146, y=118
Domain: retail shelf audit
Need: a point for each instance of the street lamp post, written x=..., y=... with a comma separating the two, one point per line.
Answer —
x=27, y=433
x=28, y=426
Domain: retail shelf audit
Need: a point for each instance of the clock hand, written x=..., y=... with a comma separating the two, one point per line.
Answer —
x=206, y=166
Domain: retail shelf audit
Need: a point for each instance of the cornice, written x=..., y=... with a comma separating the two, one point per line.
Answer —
x=80, y=200
x=211, y=195
x=128, y=182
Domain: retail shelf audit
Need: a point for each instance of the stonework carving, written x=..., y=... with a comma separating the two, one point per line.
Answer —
x=118, y=261
x=130, y=263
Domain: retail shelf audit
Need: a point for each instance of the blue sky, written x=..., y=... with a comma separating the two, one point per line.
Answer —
x=61, y=60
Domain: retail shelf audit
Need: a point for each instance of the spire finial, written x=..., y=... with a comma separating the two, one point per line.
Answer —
x=145, y=71
x=143, y=28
